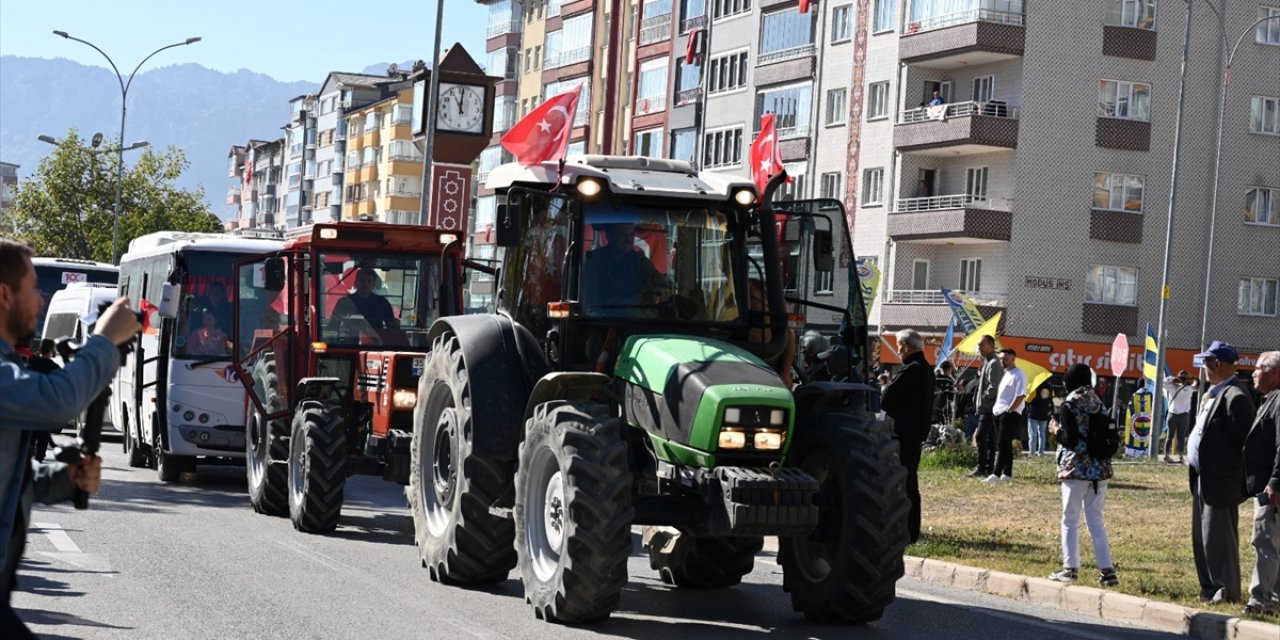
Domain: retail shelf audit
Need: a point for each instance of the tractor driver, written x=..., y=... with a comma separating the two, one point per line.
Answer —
x=363, y=303
x=616, y=275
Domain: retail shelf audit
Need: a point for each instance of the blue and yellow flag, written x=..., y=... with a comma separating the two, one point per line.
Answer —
x=869, y=279
x=965, y=311
x=1137, y=424
x=1149, y=360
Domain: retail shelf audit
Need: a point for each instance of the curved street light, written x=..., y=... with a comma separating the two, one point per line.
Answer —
x=94, y=146
x=124, y=109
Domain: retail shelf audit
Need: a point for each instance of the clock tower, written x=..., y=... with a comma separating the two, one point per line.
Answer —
x=463, y=127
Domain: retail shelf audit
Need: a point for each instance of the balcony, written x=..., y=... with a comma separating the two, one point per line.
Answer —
x=688, y=96
x=565, y=58
x=773, y=57
x=655, y=29
x=501, y=28
x=961, y=128
x=965, y=38
x=951, y=219
x=696, y=22
x=929, y=308
x=233, y=195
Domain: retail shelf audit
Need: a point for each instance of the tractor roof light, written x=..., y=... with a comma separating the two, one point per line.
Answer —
x=744, y=197
x=590, y=188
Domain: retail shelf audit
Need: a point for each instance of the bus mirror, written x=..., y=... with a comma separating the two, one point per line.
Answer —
x=170, y=298
x=507, y=223
x=273, y=274
x=824, y=252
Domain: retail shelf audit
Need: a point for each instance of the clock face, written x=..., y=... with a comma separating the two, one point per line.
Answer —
x=461, y=108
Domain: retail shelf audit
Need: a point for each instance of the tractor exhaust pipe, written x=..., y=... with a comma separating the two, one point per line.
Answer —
x=772, y=272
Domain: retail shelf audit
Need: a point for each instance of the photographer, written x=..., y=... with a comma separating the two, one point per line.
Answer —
x=31, y=402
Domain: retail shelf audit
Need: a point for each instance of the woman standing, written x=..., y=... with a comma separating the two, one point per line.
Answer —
x=1038, y=422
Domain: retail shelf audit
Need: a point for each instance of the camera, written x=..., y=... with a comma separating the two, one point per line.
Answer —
x=1263, y=499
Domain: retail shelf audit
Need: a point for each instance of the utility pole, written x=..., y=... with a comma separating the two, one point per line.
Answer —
x=433, y=99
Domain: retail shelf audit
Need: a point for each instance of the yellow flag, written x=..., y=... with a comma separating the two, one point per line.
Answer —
x=1036, y=374
x=970, y=343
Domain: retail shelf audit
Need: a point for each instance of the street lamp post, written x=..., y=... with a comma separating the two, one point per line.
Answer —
x=97, y=140
x=124, y=108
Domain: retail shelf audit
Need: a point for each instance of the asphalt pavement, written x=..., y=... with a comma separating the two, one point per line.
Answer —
x=192, y=560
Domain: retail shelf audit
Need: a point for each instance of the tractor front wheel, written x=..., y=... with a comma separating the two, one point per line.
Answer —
x=317, y=468
x=846, y=568
x=573, y=511
x=267, y=450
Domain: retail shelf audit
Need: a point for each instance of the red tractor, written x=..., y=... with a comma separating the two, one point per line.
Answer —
x=331, y=339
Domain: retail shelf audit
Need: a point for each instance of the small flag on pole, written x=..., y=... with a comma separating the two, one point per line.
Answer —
x=543, y=135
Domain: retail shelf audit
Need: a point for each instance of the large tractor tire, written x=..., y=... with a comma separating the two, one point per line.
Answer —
x=701, y=562
x=451, y=487
x=573, y=512
x=846, y=569
x=317, y=468
x=267, y=448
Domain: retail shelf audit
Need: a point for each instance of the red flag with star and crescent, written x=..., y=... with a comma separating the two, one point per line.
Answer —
x=766, y=155
x=543, y=135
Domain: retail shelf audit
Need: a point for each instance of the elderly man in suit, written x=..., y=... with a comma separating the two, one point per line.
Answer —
x=1262, y=485
x=1215, y=457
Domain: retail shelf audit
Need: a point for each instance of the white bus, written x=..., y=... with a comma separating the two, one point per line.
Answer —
x=177, y=399
x=52, y=274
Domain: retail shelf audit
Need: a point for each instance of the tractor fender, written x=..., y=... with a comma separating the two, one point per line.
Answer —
x=503, y=363
x=848, y=397
x=565, y=385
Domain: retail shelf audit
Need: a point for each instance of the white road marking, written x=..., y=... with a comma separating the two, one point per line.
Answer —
x=316, y=556
x=68, y=552
x=1019, y=618
x=57, y=537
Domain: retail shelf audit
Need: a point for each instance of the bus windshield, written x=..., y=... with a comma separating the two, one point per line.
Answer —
x=51, y=278
x=377, y=298
x=645, y=262
x=205, y=324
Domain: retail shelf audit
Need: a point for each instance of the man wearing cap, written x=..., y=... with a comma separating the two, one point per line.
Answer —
x=836, y=360
x=1215, y=460
x=1178, y=392
x=909, y=401
x=1262, y=485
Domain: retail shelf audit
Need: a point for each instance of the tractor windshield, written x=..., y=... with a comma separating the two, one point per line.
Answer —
x=643, y=262
x=376, y=299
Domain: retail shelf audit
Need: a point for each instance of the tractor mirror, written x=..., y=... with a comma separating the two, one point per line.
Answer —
x=273, y=274
x=824, y=251
x=170, y=298
x=793, y=230
x=507, y=223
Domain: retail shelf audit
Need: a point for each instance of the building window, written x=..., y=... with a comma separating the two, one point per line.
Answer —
x=1257, y=297
x=1268, y=32
x=1262, y=206
x=919, y=274
x=726, y=8
x=842, y=24
x=884, y=17
x=785, y=31
x=794, y=188
x=688, y=77
x=1112, y=285
x=505, y=62
x=975, y=184
x=727, y=72
x=651, y=97
x=831, y=185
x=683, y=142
x=569, y=45
x=790, y=106
x=648, y=143
x=1264, y=115
x=1139, y=14
x=1124, y=100
x=872, y=187
x=1118, y=192
x=722, y=148
x=984, y=88
x=971, y=274
x=837, y=106
x=877, y=100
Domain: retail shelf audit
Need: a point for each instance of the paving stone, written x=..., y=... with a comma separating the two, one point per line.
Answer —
x=1006, y=584
x=970, y=578
x=1167, y=616
x=1255, y=630
x=1082, y=599
x=937, y=571
x=1122, y=606
x=1211, y=626
x=1045, y=591
x=913, y=566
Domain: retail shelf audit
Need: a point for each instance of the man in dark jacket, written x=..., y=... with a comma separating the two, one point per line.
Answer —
x=984, y=399
x=909, y=401
x=1262, y=485
x=1215, y=460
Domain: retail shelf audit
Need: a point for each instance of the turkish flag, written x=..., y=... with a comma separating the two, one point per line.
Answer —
x=146, y=308
x=766, y=155
x=804, y=6
x=544, y=134
x=691, y=47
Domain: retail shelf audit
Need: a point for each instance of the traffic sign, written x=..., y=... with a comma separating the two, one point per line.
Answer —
x=1119, y=355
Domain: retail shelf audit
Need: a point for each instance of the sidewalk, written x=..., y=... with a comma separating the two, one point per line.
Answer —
x=1109, y=605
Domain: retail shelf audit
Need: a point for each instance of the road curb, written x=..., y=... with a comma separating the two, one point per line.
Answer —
x=1108, y=605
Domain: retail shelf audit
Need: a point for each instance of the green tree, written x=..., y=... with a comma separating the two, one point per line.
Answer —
x=66, y=208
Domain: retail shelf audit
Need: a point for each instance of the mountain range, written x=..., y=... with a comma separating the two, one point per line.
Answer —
x=200, y=110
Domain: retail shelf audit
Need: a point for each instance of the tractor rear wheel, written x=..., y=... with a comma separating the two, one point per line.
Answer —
x=702, y=562
x=451, y=486
x=267, y=449
x=573, y=511
x=317, y=468
x=846, y=569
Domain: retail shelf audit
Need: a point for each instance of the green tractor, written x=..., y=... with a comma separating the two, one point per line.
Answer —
x=639, y=372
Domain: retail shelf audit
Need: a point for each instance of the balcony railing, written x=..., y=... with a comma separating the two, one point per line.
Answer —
x=499, y=28
x=803, y=51
x=953, y=201
x=934, y=296
x=688, y=96
x=406, y=193
x=994, y=109
x=689, y=24
x=568, y=57
x=930, y=23
x=407, y=157
x=798, y=131
x=655, y=29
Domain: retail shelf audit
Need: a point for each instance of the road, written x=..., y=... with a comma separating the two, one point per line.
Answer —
x=192, y=560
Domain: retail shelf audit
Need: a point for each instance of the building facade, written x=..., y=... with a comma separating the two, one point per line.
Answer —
x=383, y=165
x=8, y=185
x=257, y=190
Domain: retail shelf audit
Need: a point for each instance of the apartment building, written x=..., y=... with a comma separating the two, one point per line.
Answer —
x=257, y=170
x=8, y=184
x=300, y=160
x=383, y=165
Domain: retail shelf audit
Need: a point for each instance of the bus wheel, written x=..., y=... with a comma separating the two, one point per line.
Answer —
x=137, y=455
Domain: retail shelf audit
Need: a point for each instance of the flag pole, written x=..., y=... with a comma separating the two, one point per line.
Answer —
x=433, y=100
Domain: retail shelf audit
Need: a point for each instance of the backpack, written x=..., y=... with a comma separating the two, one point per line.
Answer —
x=1102, y=440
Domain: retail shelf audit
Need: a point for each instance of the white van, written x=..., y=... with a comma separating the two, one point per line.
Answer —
x=67, y=310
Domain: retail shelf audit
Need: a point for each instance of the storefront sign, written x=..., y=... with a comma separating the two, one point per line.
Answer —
x=1057, y=284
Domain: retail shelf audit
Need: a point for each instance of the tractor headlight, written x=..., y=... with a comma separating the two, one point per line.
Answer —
x=744, y=197
x=732, y=439
x=589, y=188
x=404, y=399
x=768, y=440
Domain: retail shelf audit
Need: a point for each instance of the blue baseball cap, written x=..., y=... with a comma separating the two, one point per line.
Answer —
x=1223, y=351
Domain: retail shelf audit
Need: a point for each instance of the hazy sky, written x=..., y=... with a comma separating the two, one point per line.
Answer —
x=285, y=39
